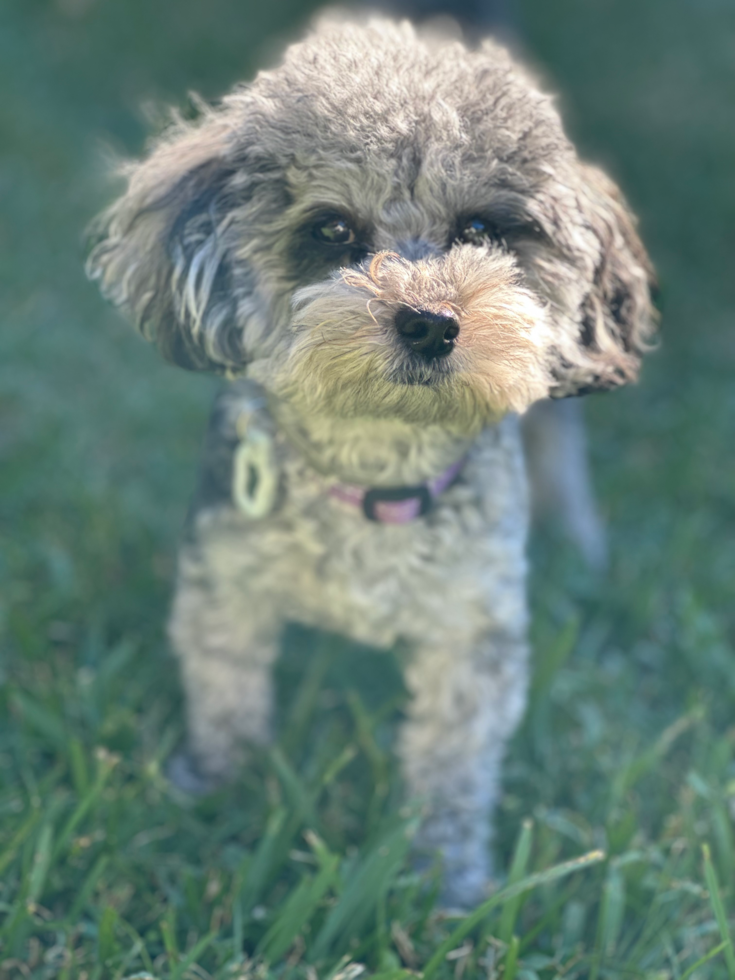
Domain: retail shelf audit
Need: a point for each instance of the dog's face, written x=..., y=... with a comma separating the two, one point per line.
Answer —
x=385, y=225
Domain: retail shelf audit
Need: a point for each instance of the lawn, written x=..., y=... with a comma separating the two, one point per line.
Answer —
x=625, y=763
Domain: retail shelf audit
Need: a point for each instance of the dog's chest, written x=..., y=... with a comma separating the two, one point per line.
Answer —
x=319, y=561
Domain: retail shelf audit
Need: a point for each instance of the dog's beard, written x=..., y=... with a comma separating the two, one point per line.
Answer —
x=348, y=361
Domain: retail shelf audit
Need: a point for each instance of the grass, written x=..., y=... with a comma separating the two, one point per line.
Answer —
x=615, y=846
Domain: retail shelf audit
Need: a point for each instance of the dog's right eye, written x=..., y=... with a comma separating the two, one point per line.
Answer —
x=478, y=231
x=335, y=231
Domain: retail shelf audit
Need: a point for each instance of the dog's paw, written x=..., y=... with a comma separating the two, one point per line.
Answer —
x=182, y=771
x=463, y=891
x=463, y=888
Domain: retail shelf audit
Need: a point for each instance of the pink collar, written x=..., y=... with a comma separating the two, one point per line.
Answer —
x=397, y=505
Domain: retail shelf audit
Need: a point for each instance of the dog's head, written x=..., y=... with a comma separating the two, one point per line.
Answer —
x=384, y=225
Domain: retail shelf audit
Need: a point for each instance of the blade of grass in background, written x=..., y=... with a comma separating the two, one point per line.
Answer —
x=518, y=866
x=718, y=908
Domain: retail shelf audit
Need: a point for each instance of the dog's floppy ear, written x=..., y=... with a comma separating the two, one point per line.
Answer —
x=160, y=253
x=616, y=317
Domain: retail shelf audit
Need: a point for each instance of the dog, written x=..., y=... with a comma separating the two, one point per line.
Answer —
x=391, y=250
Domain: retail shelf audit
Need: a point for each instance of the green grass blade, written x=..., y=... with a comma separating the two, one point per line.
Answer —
x=168, y=934
x=335, y=767
x=297, y=911
x=361, y=894
x=551, y=915
x=631, y=773
x=398, y=974
x=301, y=799
x=138, y=942
x=106, y=942
x=85, y=892
x=78, y=765
x=194, y=953
x=305, y=702
x=705, y=959
x=553, y=659
x=518, y=868
x=612, y=909
x=320, y=849
x=41, y=864
x=526, y=884
x=290, y=918
x=262, y=862
x=238, y=928
x=86, y=804
x=11, y=851
x=718, y=908
x=510, y=963
x=15, y=929
x=42, y=718
x=723, y=838
x=377, y=758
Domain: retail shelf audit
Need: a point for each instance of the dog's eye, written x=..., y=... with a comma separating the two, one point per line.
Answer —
x=336, y=231
x=478, y=231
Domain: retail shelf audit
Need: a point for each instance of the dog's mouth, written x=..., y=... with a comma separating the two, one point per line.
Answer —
x=411, y=378
x=420, y=374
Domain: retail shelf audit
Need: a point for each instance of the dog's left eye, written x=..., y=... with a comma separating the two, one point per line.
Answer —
x=336, y=231
x=478, y=231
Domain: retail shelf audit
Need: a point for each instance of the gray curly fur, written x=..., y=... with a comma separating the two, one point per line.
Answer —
x=211, y=252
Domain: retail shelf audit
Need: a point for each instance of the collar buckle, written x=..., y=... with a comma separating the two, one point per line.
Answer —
x=391, y=495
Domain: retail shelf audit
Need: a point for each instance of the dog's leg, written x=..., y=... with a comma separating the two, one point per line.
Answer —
x=558, y=468
x=467, y=700
x=226, y=649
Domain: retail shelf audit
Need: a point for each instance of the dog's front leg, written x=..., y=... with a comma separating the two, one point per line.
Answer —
x=226, y=649
x=467, y=700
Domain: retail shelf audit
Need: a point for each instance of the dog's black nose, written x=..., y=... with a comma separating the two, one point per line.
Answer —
x=427, y=334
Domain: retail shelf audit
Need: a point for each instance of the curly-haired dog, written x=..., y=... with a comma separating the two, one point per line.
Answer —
x=392, y=248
